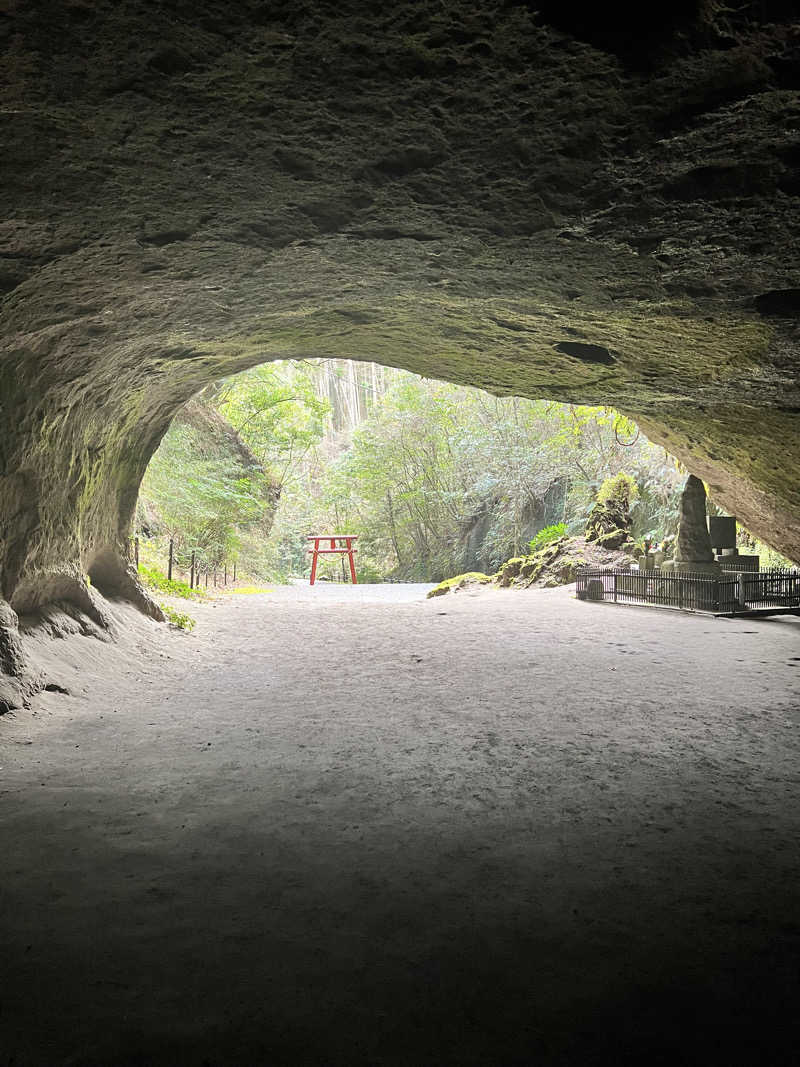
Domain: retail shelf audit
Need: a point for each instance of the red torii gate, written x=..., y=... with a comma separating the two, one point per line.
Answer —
x=343, y=550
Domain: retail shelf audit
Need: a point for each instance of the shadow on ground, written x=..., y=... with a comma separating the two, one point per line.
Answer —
x=455, y=844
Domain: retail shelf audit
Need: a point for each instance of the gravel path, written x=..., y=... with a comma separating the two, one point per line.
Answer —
x=489, y=828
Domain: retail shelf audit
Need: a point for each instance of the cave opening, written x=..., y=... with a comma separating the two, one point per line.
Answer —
x=435, y=479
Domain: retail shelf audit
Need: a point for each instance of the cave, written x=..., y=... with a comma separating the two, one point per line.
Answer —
x=508, y=195
x=461, y=193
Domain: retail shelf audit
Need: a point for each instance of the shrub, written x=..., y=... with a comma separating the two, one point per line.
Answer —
x=178, y=618
x=618, y=493
x=368, y=573
x=153, y=578
x=548, y=535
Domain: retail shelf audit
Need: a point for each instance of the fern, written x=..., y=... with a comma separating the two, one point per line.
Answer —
x=547, y=536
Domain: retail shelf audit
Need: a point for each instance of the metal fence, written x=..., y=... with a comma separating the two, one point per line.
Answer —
x=749, y=592
x=771, y=589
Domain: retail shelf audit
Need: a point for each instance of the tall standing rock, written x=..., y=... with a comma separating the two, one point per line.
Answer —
x=694, y=553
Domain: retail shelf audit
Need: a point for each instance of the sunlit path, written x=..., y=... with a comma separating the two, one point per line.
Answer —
x=482, y=829
x=345, y=593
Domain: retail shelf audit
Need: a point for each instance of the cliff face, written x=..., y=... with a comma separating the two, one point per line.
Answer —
x=217, y=453
x=584, y=210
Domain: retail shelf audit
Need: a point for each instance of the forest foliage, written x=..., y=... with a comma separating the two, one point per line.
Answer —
x=435, y=479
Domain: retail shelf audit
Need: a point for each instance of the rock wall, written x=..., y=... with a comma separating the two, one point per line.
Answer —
x=574, y=208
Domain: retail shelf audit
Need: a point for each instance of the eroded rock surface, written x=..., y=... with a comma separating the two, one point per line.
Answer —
x=583, y=210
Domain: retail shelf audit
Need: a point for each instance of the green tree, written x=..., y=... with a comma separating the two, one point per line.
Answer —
x=202, y=498
x=275, y=409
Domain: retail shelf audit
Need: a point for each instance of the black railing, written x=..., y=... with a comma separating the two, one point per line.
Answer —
x=773, y=588
x=747, y=592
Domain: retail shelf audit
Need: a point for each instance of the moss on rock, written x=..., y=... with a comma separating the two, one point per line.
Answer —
x=510, y=570
x=460, y=581
x=555, y=564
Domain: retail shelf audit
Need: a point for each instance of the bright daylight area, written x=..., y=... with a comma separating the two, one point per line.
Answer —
x=440, y=484
x=399, y=534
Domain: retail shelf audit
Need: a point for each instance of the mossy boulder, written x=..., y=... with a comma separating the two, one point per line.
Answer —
x=564, y=572
x=613, y=539
x=460, y=581
x=528, y=569
x=610, y=520
x=510, y=570
x=558, y=562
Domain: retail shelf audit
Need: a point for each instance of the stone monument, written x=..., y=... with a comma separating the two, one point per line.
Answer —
x=722, y=531
x=693, y=552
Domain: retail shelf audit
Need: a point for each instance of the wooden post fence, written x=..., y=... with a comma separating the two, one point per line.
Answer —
x=191, y=572
x=171, y=559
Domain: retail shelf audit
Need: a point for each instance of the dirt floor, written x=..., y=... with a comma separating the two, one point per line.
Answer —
x=332, y=829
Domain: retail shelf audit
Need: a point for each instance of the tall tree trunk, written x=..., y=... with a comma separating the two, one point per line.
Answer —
x=393, y=527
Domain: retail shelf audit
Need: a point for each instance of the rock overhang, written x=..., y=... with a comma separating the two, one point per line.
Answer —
x=469, y=193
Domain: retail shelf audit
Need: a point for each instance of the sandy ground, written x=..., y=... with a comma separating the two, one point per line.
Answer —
x=350, y=827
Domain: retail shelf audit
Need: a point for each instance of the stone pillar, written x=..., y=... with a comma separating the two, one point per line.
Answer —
x=693, y=553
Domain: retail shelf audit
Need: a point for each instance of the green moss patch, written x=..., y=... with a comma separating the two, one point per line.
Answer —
x=460, y=581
